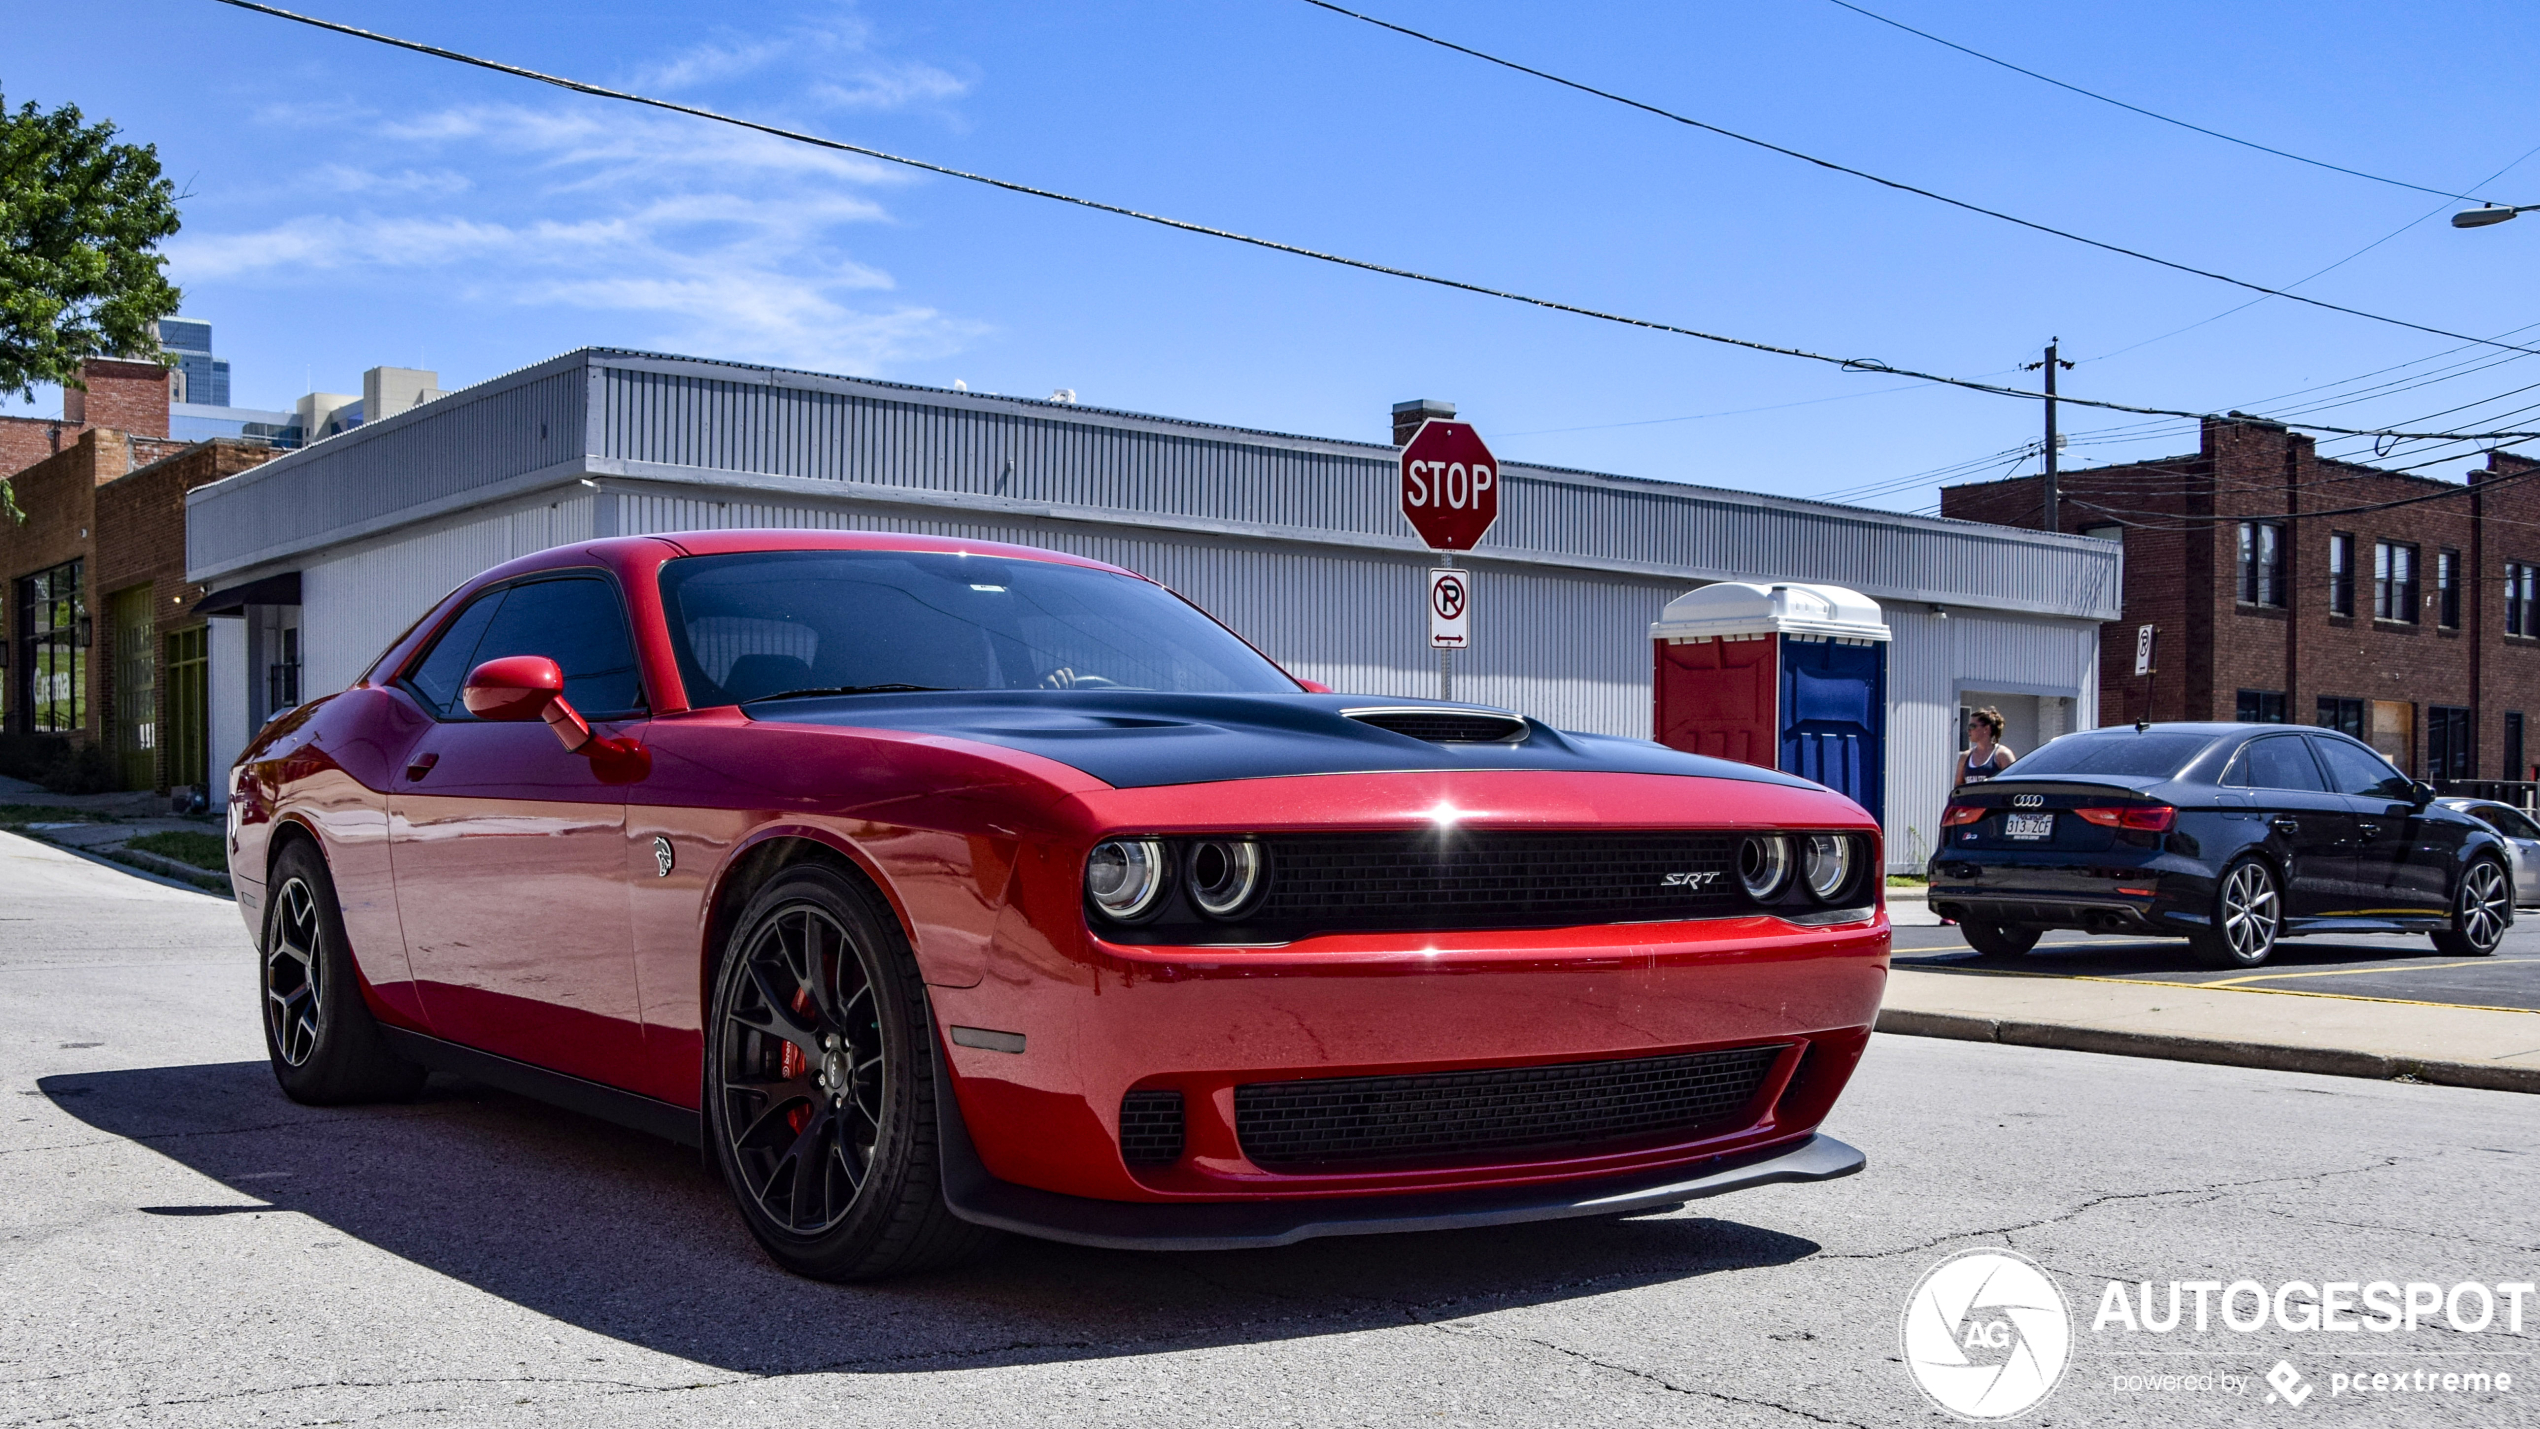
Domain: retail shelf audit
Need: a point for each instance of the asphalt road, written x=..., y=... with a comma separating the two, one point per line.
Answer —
x=184, y=1247
x=2407, y=969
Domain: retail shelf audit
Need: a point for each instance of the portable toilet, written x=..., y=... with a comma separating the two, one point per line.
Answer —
x=1792, y=677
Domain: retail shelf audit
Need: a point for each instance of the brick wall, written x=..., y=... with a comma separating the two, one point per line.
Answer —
x=2180, y=518
x=127, y=396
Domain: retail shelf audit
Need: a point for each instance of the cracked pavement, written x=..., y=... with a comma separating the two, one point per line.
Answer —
x=179, y=1245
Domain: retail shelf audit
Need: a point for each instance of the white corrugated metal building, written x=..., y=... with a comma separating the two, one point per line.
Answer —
x=1297, y=542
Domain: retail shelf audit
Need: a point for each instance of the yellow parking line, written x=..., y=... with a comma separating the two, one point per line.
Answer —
x=2214, y=987
x=2351, y=972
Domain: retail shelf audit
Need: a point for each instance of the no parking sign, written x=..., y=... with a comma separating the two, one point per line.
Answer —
x=1450, y=608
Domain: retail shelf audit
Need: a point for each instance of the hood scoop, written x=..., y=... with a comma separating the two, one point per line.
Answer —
x=1445, y=726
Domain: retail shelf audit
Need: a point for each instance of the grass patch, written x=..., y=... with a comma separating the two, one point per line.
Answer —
x=1907, y=880
x=204, y=851
x=209, y=883
x=19, y=815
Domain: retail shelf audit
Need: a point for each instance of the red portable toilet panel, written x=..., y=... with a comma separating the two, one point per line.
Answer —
x=1720, y=698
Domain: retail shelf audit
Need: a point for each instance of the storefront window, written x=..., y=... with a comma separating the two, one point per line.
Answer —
x=53, y=611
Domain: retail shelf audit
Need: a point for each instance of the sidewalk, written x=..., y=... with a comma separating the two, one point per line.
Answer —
x=2241, y=1027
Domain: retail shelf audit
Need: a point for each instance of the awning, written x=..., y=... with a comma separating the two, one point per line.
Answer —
x=283, y=589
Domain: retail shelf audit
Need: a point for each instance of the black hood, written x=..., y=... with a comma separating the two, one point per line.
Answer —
x=1135, y=739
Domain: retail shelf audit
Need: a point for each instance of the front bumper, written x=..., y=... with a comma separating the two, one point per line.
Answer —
x=977, y=1197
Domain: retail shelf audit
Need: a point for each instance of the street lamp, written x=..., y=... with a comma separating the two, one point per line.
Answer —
x=2486, y=214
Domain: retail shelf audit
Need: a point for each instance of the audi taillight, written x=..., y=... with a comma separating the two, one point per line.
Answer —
x=1957, y=814
x=2150, y=818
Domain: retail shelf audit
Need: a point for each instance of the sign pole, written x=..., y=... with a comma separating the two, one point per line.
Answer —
x=1446, y=654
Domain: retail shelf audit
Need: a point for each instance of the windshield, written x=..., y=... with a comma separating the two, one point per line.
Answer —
x=2154, y=754
x=760, y=624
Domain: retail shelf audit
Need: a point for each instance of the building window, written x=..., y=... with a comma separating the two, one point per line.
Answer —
x=2447, y=589
x=2343, y=715
x=189, y=708
x=2341, y=573
x=2394, y=582
x=2261, y=707
x=2522, y=598
x=2450, y=749
x=53, y=611
x=282, y=677
x=2261, y=563
x=2514, y=766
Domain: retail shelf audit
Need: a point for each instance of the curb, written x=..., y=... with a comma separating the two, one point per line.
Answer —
x=2323, y=1061
x=135, y=870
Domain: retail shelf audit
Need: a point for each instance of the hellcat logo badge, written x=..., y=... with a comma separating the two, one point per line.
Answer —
x=661, y=856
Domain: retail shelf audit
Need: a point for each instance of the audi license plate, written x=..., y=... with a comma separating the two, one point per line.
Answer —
x=2028, y=826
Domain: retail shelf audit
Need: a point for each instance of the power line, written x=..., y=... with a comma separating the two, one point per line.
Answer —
x=2148, y=113
x=1856, y=364
x=1895, y=184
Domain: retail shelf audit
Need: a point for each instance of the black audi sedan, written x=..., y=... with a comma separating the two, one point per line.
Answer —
x=2230, y=835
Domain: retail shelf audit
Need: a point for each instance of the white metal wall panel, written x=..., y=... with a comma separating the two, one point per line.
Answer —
x=358, y=600
x=1930, y=661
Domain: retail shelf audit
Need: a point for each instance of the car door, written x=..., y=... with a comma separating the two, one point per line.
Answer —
x=2522, y=838
x=2403, y=861
x=2308, y=827
x=509, y=851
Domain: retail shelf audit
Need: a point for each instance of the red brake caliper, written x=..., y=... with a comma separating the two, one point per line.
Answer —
x=791, y=1064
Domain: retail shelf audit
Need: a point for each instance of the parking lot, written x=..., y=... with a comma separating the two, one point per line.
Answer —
x=186, y=1247
x=2403, y=969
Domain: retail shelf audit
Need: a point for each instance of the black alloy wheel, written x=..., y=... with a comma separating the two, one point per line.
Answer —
x=2482, y=908
x=324, y=1045
x=1999, y=940
x=820, y=1092
x=2248, y=915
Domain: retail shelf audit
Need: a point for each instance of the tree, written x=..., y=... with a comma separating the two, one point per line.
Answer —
x=81, y=217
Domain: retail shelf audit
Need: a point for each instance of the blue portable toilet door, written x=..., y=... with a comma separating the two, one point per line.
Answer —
x=1834, y=717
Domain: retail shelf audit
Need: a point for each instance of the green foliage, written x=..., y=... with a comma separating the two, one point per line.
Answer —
x=17, y=816
x=80, y=219
x=201, y=850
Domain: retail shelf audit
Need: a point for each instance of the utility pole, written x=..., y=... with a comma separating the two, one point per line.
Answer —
x=2050, y=505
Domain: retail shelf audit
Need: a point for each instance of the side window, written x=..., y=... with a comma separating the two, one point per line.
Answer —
x=2352, y=769
x=2510, y=821
x=2282, y=763
x=578, y=623
x=437, y=680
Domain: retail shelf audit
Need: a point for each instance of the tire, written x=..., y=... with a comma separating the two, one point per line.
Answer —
x=2248, y=917
x=1999, y=940
x=324, y=1045
x=820, y=1085
x=2482, y=909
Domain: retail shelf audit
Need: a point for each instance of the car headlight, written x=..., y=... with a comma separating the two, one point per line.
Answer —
x=1763, y=866
x=1226, y=874
x=1827, y=865
x=1125, y=877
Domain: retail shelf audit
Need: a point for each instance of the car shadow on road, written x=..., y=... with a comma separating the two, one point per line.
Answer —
x=627, y=1236
x=2173, y=959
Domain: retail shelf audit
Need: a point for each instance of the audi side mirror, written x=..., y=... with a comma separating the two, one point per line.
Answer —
x=525, y=687
x=2421, y=793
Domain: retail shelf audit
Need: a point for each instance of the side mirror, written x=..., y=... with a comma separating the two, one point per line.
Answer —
x=525, y=687
x=2421, y=793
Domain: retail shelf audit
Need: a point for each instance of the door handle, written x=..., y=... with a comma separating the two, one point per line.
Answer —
x=2286, y=825
x=422, y=765
x=2370, y=831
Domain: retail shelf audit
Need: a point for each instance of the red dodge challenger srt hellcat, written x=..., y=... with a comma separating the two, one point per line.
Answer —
x=942, y=887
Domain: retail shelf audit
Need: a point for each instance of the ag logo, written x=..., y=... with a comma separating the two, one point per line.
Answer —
x=1987, y=1334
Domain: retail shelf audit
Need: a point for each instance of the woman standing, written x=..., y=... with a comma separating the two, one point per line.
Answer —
x=1987, y=755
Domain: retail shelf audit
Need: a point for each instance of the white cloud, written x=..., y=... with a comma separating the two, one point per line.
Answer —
x=891, y=86
x=345, y=179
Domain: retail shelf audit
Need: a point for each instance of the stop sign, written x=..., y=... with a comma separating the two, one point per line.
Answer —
x=1450, y=485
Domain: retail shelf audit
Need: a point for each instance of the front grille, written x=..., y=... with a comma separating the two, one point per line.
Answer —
x=1492, y=878
x=1446, y=726
x=1283, y=1124
x=1151, y=1128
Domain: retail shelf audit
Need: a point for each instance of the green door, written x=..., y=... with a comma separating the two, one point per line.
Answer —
x=187, y=737
x=136, y=688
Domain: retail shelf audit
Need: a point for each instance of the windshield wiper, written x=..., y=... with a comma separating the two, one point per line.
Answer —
x=888, y=689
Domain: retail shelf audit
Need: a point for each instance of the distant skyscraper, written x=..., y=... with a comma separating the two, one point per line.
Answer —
x=206, y=378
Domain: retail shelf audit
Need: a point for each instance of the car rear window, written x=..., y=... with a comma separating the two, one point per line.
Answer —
x=2153, y=754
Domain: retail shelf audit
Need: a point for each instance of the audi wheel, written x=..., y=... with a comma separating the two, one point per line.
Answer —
x=2248, y=914
x=2482, y=909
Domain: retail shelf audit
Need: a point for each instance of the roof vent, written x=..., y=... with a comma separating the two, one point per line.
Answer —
x=1446, y=726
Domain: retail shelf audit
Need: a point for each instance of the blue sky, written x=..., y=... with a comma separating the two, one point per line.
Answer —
x=351, y=206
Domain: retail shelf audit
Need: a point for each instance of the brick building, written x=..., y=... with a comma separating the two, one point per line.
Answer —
x=2414, y=626
x=122, y=397
x=103, y=643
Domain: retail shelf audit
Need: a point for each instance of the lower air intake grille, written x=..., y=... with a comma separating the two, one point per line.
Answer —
x=1151, y=1128
x=1464, y=1113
